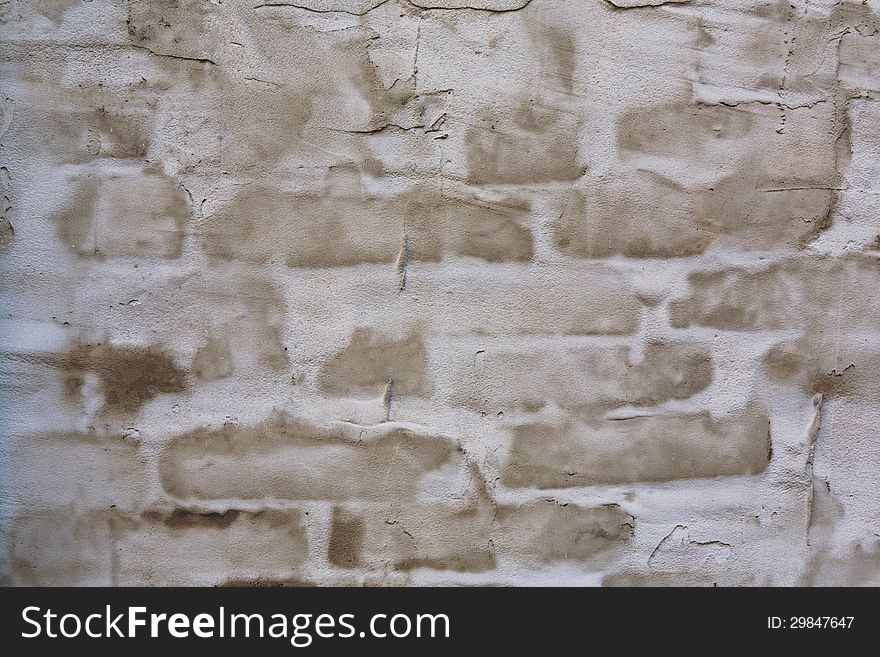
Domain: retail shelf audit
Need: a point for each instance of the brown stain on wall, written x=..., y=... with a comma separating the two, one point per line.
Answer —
x=84, y=120
x=177, y=28
x=530, y=145
x=162, y=546
x=557, y=68
x=680, y=129
x=252, y=321
x=317, y=230
x=762, y=212
x=346, y=539
x=582, y=380
x=292, y=582
x=860, y=566
x=813, y=366
x=479, y=561
x=343, y=82
x=54, y=10
x=667, y=371
x=560, y=532
x=186, y=519
x=371, y=360
x=640, y=214
x=347, y=225
x=129, y=376
x=90, y=125
x=385, y=102
x=259, y=144
x=648, y=448
x=288, y=458
x=563, y=56
x=59, y=547
x=473, y=538
x=213, y=360
x=76, y=220
x=237, y=328
x=7, y=234
x=783, y=295
x=632, y=579
x=139, y=214
x=635, y=214
x=122, y=134
x=495, y=231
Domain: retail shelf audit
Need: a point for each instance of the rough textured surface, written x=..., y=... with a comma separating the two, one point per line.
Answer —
x=440, y=292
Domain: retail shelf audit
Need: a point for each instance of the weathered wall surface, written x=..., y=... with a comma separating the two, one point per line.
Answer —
x=440, y=291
